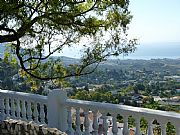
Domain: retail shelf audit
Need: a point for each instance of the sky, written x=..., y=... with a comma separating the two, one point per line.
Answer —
x=155, y=20
x=156, y=24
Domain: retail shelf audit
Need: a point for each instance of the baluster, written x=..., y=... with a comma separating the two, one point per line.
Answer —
x=70, y=130
x=125, y=127
x=78, y=122
x=86, y=122
x=23, y=110
x=114, y=127
x=105, y=124
x=7, y=107
x=2, y=107
x=95, y=123
x=177, y=129
x=42, y=114
x=47, y=114
x=137, y=124
x=35, y=113
x=29, y=111
x=150, y=126
x=163, y=128
x=18, y=109
x=12, y=108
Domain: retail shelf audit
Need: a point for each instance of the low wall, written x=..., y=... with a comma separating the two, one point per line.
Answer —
x=18, y=127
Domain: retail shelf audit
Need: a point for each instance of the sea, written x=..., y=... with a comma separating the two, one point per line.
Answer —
x=170, y=50
x=146, y=51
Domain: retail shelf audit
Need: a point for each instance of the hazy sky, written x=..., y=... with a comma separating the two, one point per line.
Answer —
x=156, y=23
x=155, y=20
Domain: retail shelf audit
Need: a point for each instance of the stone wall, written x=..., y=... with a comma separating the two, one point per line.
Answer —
x=18, y=127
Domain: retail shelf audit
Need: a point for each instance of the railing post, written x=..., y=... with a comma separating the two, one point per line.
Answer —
x=78, y=122
x=95, y=123
x=1, y=107
x=125, y=127
x=70, y=130
x=86, y=122
x=57, y=112
x=177, y=130
x=105, y=124
x=114, y=126
x=162, y=121
x=137, y=124
x=150, y=126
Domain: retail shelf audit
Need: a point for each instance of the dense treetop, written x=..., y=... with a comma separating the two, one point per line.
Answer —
x=36, y=29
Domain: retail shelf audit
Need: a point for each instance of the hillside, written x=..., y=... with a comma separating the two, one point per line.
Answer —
x=128, y=64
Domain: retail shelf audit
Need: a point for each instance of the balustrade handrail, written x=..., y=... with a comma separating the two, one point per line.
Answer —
x=93, y=105
x=55, y=110
x=24, y=106
x=25, y=96
x=123, y=109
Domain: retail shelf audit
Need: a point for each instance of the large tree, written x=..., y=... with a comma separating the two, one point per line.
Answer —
x=36, y=29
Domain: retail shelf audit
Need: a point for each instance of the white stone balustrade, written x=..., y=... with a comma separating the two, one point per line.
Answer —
x=63, y=113
x=126, y=111
x=24, y=106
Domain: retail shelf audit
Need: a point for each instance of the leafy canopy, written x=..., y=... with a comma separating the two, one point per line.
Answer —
x=39, y=28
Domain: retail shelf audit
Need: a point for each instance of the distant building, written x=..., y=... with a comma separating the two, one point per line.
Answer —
x=157, y=98
x=80, y=88
x=175, y=99
x=178, y=90
x=176, y=78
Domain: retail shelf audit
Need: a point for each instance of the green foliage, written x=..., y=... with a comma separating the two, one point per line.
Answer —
x=152, y=105
x=7, y=71
x=131, y=122
x=38, y=29
x=6, y=57
x=170, y=129
x=82, y=95
x=124, y=91
x=95, y=96
x=143, y=124
x=9, y=57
